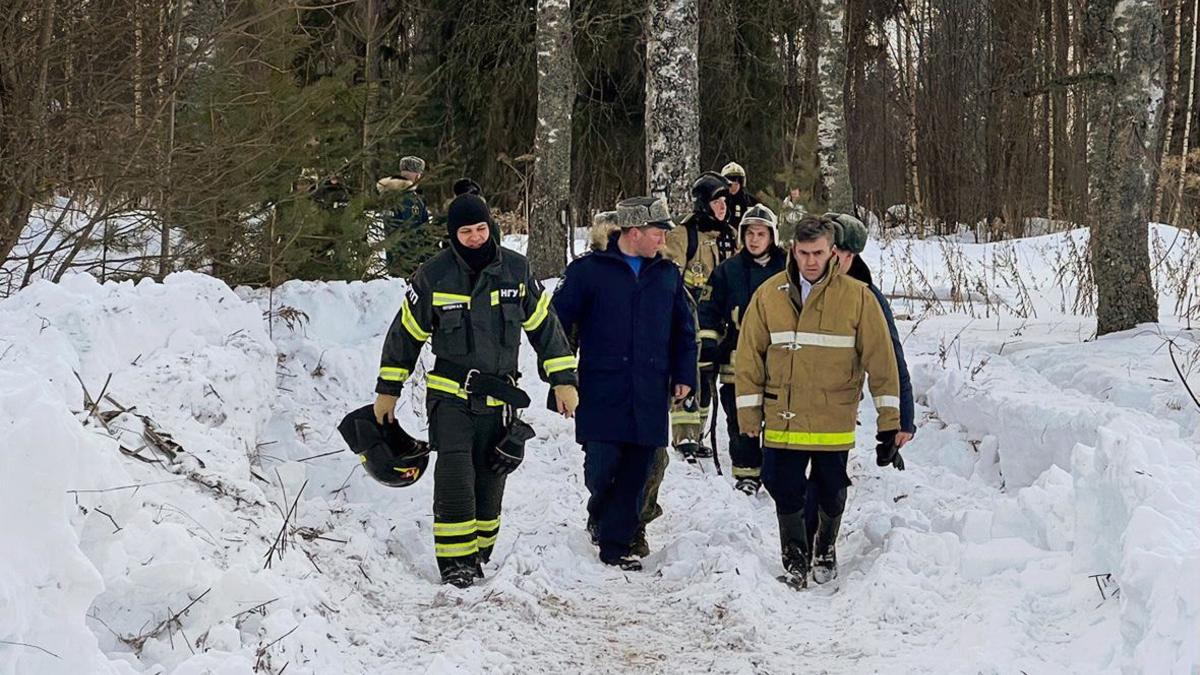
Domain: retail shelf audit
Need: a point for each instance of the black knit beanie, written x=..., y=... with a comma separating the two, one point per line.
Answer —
x=469, y=209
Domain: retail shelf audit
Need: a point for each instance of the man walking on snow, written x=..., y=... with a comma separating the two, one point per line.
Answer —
x=473, y=300
x=637, y=352
x=809, y=337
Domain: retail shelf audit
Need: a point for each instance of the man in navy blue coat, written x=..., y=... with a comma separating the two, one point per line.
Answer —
x=628, y=310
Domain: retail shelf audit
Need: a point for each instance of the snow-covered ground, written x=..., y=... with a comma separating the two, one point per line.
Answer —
x=1049, y=519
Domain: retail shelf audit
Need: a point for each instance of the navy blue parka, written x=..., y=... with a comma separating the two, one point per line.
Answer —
x=637, y=339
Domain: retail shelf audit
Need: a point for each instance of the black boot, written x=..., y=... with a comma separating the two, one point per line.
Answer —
x=688, y=450
x=593, y=531
x=824, y=568
x=639, y=546
x=793, y=542
x=749, y=485
x=703, y=451
x=461, y=573
x=625, y=562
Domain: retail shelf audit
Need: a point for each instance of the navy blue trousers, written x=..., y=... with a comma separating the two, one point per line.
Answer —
x=784, y=476
x=615, y=475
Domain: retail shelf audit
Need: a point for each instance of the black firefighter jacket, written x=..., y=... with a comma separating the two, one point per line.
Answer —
x=473, y=326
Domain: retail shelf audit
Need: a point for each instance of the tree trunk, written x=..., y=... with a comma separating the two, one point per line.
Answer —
x=1128, y=117
x=552, y=145
x=910, y=75
x=1169, y=117
x=371, y=78
x=673, y=102
x=167, y=196
x=1187, y=120
x=831, y=116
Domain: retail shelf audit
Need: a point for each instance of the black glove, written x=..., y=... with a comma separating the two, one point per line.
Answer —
x=886, y=451
x=507, y=455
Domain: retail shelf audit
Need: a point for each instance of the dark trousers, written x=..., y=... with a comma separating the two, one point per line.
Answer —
x=467, y=494
x=783, y=474
x=746, y=452
x=615, y=475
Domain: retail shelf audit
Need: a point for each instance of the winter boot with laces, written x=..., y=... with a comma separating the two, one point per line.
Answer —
x=460, y=576
x=794, y=544
x=749, y=485
x=824, y=567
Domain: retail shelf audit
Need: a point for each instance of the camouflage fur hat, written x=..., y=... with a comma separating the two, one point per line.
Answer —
x=412, y=163
x=850, y=233
x=643, y=211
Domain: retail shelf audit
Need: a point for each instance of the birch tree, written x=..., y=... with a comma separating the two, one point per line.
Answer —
x=1127, y=116
x=672, y=101
x=552, y=143
x=831, y=114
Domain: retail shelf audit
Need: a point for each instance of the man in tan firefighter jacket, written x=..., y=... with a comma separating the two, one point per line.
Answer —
x=808, y=338
x=473, y=299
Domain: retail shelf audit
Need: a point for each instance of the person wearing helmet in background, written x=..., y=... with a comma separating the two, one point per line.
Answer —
x=473, y=300
x=721, y=307
x=739, y=200
x=704, y=240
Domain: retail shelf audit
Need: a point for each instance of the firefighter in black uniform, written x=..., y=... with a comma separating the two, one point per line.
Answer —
x=473, y=299
x=722, y=304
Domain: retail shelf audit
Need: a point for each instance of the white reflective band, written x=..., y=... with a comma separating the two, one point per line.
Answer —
x=813, y=339
x=708, y=334
x=782, y=337
x=749, y=400
x=887, y=402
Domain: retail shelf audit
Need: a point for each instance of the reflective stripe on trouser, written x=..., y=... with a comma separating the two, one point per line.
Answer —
x=467, y=494
x=744, y=452
x=658, y=468
x=690, y=426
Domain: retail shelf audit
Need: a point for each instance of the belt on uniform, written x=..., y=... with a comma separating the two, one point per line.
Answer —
x=473, y=382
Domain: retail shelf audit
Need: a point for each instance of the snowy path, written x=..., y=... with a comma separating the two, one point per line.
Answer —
x=925, y=583
x=1039, y=462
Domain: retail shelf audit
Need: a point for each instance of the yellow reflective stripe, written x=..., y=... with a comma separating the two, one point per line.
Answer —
x=485, y=525
x=495, y=298
x=393, y=374
x=694, y=278
x=559, y=364
x=539, y=313
x=522, y=289
x=709, y=334
x=440, y=383
x=455, y=550
x=454, y=529
x=409, y=321
x=443, y=299
x=684, y=417
x=484, y=542
x=809, y=437
x=746, y=472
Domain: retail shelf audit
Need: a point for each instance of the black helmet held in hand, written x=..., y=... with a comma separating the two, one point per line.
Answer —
x=386, y=451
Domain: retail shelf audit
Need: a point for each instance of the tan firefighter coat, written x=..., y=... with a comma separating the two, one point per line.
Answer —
x=800, y=372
